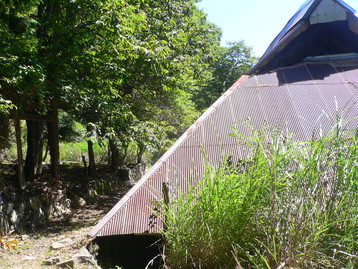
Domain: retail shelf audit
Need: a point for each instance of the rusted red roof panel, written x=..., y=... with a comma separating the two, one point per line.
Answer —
x=300, y=99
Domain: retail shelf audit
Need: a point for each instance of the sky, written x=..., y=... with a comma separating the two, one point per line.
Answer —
x=257, y=22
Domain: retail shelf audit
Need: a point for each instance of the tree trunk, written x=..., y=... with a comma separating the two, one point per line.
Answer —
x=33, y=163
x=91, y=161
x=54, y=145
x=40, y=145
x=30, y=162
x=115, y=155
x=140, y=152
x=46, y=152
x=4, y=131
x=109, y=156
x=20, y=159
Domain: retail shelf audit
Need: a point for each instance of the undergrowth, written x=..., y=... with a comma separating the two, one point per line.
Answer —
x=287, y=205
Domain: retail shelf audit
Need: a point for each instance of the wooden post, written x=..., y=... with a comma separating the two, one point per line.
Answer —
x=84, y=165
x=165, y=190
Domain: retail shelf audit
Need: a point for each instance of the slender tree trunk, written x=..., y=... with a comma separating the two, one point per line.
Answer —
x=54, y=144
x=140, y=152
x=33, y=163
x=123, y=158
x=20, y=159
x=4, y=131
x=91, y=161
x=30, y=153
x=46, y=152
x=46, y=13
x=40, y=145
x=109, y=154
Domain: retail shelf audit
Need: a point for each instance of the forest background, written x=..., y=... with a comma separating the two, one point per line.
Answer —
x=126, y=77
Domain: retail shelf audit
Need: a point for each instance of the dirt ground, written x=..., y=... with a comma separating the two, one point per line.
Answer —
x=34, y=248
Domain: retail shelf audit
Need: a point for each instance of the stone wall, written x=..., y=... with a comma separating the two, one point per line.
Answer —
x=132, y=172
x=28, y=211
x=40, y=202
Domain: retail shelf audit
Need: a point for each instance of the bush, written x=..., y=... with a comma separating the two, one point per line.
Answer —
x=288, y=205
x=69, y=129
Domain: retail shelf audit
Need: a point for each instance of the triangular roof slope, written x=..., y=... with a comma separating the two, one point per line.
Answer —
x=299, y=98
x=319, y=27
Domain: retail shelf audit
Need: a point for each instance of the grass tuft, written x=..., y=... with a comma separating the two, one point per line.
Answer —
x=287, y=205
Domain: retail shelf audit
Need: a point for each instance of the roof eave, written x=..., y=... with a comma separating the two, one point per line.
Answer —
x=297, y=30
x=346, y=6
x=293, y=32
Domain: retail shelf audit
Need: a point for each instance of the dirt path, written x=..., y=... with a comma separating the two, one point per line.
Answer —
x=34, y=248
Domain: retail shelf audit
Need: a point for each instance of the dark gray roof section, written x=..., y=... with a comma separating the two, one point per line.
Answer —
x=303, y=13
x=300, y=99
x=299, y=39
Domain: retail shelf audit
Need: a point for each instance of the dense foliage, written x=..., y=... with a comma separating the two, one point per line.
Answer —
x=230, y=64
x=288, y=205
x=135, y=72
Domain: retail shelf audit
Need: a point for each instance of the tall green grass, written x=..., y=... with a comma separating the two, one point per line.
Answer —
x=288, y=205
x=73, y=151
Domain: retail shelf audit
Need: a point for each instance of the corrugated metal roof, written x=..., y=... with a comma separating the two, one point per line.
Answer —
x=300, y=98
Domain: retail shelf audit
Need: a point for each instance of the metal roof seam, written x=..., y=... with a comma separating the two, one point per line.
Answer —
x=294, y=105
x=261, y=104
x=232, y=109
x=343, y=80
x=325, y=108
